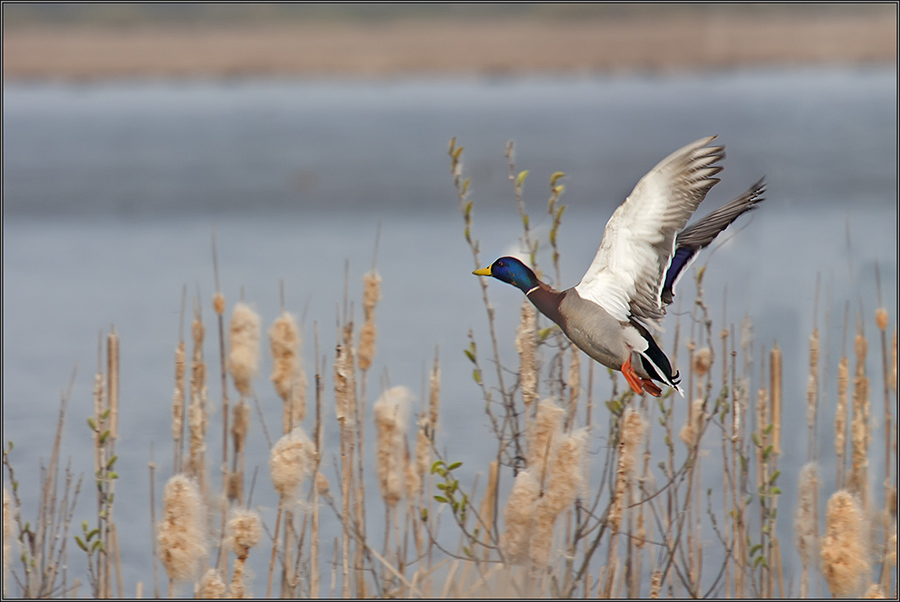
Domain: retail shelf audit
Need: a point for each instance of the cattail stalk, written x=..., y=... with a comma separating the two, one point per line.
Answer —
x=843, y=553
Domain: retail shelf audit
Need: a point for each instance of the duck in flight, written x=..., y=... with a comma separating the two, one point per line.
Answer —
x=644, y=251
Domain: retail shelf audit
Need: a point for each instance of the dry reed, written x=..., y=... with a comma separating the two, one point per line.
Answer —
x=844, y=551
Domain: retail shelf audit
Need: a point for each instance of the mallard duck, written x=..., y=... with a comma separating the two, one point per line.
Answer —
x=644, y=250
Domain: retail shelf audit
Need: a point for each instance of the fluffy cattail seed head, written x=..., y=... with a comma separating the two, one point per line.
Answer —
x=391, y=414
x=805, y=527
x=545, y=433
x=212, y=586
x=288, y=375
x=518, y=515
x=243, y=361
x=180, y=533
x=291, y=460
x=244, y=531
x=525, y=345
x=844, y=560
x=702, y=360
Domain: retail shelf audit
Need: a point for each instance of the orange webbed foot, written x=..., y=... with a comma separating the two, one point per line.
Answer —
x=631, y=377
x=650, y=387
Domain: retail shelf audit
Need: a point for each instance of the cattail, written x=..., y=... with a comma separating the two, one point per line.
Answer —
x=287, y=369
x=875, y=592
x=291, y=460
x=840, y=416
x=655, y=584
x=518, y=515
x=631, y=436
x=178, y=396
x=423, y=451
x=775, y=414
x=434, y=397
x=197, y=419
x=344, y=380
x=691, y=430
x=212, y=586
x=237, y=590
x=219, y=303
x=881, y=319
x=843, y=553
x=322, y=484
x=391, y=411
x=566, y=477
x=412, y=482
x=812, y=384
x=244, y=531
x=859, y=427
x=702, y=360
x=805, y=526
x=243, y=361
x=180, y=533
x=9, y=514
x=525, y=345
x=367, y=334
x=545, y=433
x=574, y=383
x=234, y=486
x=240, y=425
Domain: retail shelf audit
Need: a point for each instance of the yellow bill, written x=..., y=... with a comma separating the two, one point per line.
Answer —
x=483, y=272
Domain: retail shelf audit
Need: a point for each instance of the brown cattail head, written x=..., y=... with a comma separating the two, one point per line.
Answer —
x=844, y=559
x=344, y=379
x=806, y=530
x=702, y=360
x=371, y=295
x=322, y=484
x=692, y=428
x=840, y=416
x=812, y=383
x=244, y=531
x=434, y=396
x=240, y=424
x=180, y=533
x=525, y=345
x=292, y=458
x=391, y=414
x=243, y=361
x=178, y=396
x=234, y=487
x=546, y=431
x=412, y=482
x=287, y=369
x=212, y=586
x=881, y=319
x=518, y=515
x=219, y=304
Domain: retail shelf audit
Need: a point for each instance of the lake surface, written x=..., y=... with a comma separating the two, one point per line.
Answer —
x=111, y=192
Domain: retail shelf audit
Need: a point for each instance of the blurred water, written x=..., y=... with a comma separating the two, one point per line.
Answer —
x=111, y=191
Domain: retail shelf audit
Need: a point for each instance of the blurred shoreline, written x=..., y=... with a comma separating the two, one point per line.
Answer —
x=407, y=45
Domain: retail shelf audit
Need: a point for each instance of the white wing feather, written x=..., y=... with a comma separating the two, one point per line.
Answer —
x=628, y=271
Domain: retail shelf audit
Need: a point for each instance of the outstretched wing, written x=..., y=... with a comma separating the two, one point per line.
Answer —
x=700, y=234
x=627, y=275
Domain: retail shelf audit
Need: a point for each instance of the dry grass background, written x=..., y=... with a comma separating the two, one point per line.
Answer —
x=129, y=43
